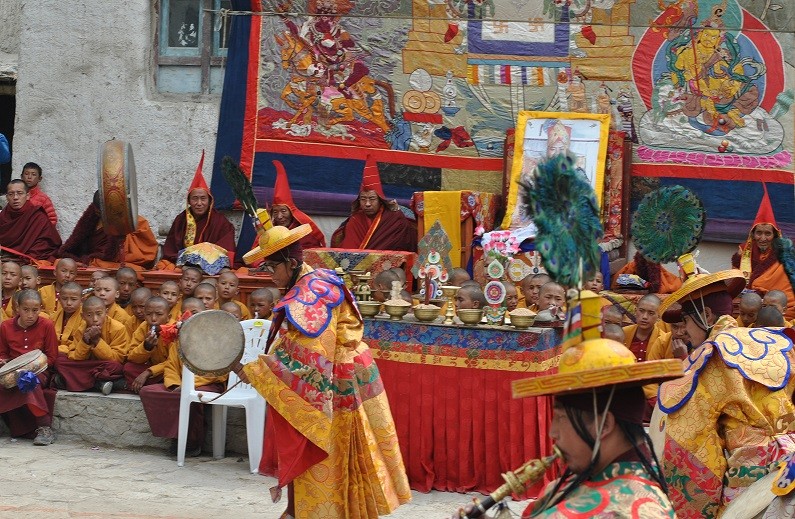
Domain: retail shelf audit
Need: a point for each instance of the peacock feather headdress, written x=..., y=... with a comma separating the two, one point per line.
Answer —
x=669, y=222
x=564, y=209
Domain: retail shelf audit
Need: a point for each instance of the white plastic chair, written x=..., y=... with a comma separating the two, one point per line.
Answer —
x=245, y=396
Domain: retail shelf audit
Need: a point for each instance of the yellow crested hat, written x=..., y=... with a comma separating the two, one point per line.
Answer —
x=594, y=362
x=275, y=239
x=696, y=284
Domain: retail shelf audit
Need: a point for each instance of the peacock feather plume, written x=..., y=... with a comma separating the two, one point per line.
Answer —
x=564, y=209
x=669, y=222
x=786, y=256
x=240, y=185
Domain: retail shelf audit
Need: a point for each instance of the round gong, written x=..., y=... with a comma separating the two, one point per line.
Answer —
x=211, y=342
x=118, y=194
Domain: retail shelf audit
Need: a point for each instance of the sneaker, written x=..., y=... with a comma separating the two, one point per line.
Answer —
x=104, y=387
x=58, y=382
x=119, y=385
x=44, y=436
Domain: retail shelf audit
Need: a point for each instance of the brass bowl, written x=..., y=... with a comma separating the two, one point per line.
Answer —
x=396, y=312
x=369, y=308
x=470, y=316
x=426, y=315
x=522, y=321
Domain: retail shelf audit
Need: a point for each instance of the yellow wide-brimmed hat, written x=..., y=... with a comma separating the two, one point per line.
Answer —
x=696, y=285
x=275, y=239
x=594, y=364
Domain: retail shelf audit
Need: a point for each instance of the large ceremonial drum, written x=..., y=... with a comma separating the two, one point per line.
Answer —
x=211, y=342
x=118, y=194
x=34, y=361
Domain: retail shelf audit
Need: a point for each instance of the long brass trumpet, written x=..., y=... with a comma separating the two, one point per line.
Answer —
x=515, y=483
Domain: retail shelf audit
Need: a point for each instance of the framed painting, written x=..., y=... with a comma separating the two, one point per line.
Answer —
x=544, y=134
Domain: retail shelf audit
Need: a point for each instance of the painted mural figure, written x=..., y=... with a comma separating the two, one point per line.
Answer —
x=328, y=78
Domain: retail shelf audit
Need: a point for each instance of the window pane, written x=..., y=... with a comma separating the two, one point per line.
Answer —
x=221, y=29
x=183, y=23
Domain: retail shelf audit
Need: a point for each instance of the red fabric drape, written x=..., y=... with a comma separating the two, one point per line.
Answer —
x=393, y=232
x=460, y=429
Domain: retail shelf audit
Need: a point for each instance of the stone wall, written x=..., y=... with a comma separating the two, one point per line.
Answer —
x=119, y=421
x=86, y=75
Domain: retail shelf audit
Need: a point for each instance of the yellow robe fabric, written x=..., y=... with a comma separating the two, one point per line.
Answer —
x=112, y=343
x=137, y=352
x=116, y=312
x=363, y=475
x=65, y=331
x=658, y=347
x=726, y=424
x=140, y=249
x=172, y=371
x=49, y=301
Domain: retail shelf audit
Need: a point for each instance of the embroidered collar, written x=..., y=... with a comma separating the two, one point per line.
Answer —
x=308, y=304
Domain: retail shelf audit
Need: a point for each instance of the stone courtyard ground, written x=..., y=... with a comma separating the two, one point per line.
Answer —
x=72, y=479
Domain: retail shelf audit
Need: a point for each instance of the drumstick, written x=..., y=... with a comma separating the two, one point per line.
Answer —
x=200, y=396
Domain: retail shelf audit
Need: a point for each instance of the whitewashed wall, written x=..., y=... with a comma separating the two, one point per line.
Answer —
x=86, y=76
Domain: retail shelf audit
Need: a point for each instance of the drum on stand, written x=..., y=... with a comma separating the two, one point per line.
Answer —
x=34, y=361
x=211, y=343
x=118, y=193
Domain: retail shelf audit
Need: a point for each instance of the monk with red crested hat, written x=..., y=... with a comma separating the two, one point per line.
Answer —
x=759, y=256
x=375, y=223
x=284, y=212
x=198, y=223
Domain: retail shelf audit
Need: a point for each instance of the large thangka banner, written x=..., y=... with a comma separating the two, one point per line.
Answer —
x=429, y=88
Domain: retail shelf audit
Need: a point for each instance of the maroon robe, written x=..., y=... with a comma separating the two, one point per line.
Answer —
x=29, y=231
x=393, y=231
x=215, y=229
x=161, y=406
x=87, y=243
x=24, y=412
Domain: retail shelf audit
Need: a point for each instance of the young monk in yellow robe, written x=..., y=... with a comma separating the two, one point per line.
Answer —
x=228, y=289
x=107, y=289
x=65, y=270
x=67, y=317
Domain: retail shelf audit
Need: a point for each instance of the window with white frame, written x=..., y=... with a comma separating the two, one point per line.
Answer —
x=191, y=46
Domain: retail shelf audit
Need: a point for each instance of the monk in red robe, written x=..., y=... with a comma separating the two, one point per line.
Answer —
x=660, y=280
x=375, y=223
x=90, y=246
x=29, y=413
x=198, y=223
x=25, y=229
x=758, y=257
x=284, y=212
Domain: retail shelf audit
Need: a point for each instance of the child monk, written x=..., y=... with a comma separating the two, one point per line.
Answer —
x=228, y=289
x=469, y=296
x=147, y=351
x=511, y=296
x=551, y=296
x=645, y=335
x=97, y=274
x=191, y=277
x=277, y=294
x=750, y=303
x=65, y=270
x=233, y=309
x=95, y=357
x=107, y=289
x=171, y=292
x=260, y=303
x=67, y=317
x=531, y=288
x=128, y=281
x=29, y=414
x=207, y=294
x=30, y=277
x=138, y=300
x=161, y=401
x=12, y=277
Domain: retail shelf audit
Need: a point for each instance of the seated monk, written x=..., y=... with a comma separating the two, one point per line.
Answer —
x=198, y=223
x=25, y=229
x=660, y=280
x=90, y=246
x=760, y=257
x=283, y=212
x=375, y=223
